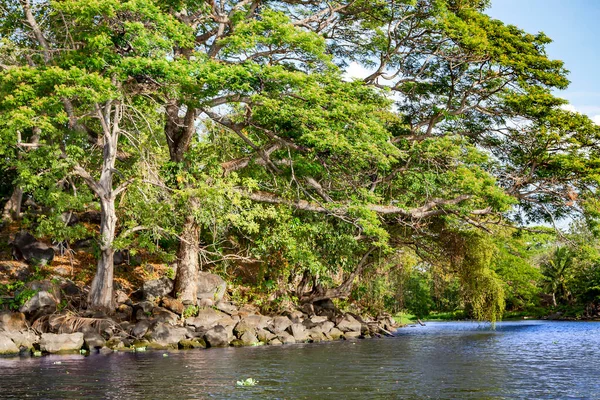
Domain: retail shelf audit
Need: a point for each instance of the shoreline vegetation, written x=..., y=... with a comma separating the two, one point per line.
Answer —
x=179, y=173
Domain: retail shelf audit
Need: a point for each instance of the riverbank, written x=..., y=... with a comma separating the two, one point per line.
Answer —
x=152, y=319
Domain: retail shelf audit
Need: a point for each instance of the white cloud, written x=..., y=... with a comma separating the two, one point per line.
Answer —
x=596, y=119
x=569, y=107
x=356, y=71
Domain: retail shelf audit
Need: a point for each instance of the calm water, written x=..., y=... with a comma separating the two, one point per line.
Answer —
x=455, y=360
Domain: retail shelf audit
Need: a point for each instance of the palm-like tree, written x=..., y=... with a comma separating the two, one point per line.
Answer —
x=556, y=271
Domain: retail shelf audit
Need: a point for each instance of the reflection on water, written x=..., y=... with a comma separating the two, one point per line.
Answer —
x=455, y=360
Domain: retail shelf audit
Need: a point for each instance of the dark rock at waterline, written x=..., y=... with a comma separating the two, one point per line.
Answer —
x=93, y=340
x=166, y=335
x=280, y=324
x=57, y=343
x=28, y=248
x=7, y=346
x=210, y=286
x=218, y=336
x=206, y=318
x=349, y=324
x=140, y=329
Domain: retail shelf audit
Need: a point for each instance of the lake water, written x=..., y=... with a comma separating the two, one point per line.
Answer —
x=443, y=360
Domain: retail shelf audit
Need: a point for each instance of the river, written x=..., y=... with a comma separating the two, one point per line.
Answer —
x=442, y=360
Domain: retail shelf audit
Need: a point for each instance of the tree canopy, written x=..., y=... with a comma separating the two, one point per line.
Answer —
x=232, y=128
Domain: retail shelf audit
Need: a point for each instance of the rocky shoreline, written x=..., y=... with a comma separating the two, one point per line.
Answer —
x=152, y=319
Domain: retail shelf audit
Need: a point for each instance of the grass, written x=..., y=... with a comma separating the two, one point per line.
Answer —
x=404, y=318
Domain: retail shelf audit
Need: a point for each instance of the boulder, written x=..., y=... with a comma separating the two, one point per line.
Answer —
x=248, y=338
x=280, y=324
x=42, y=302
x=265, y=336
x=299, y=332
x=206, y=318
x=349, y=324
x=93, y=340
x=325, y=327
x=351, y=335
x=7, y=346
x=23, y=340
x=296, y=316
x=26, y=247
x=316, y=335
x=143, y=309
x=12, y=321
x=275, y=342
x=285, y=338
x=64, y=342
x=335, y=333
x=210, y=286
x=157, y=288
x=218, y=336
x=166, y=335
x=121, y=297
x=141, y=328
x=160, y=314
x=173, y=305
x=318, y=319
x=226, y=307
x=196, y=343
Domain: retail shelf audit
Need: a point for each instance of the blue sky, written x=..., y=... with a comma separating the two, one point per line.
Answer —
x=574, y=25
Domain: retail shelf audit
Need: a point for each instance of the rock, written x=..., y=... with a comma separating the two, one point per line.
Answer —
x=173, y=305
x=242, y=327
x=160, y=314
x=12, y=321
x=218, y=336
x=7, y=346
x=280, y=324
x=93, y=340
x=249, y=338
x=124, y=311
x=265, y=336
x=157, y=288
x=351, y=335
x=296, y=316
x=299, y=332
x=349, y=324
x=42, y=302
x=121, y=297
x=26, y=247
x=23, y=340
x=335, y=333
x=226, y=307
x=248, y=309
x=143, y=309
x=114, y=343
x=140, y=329
x=316, y=335
x=196, y=343
x=325, y=327
x=166, y=335
x=206, y=303
x=275, y=342
x=210, y=286
x=286, y=338
x=56, y=343
x=206, y=318
x=318, y=319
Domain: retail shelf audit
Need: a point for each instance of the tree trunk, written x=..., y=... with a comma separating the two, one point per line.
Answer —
x=12, y=208
x=187, y=258
x=342, y=291
x=101, y=293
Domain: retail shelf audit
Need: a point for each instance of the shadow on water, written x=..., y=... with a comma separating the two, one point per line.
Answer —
x=443, y=360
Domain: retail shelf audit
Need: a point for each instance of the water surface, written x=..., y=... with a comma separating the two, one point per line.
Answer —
x=443, y=360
